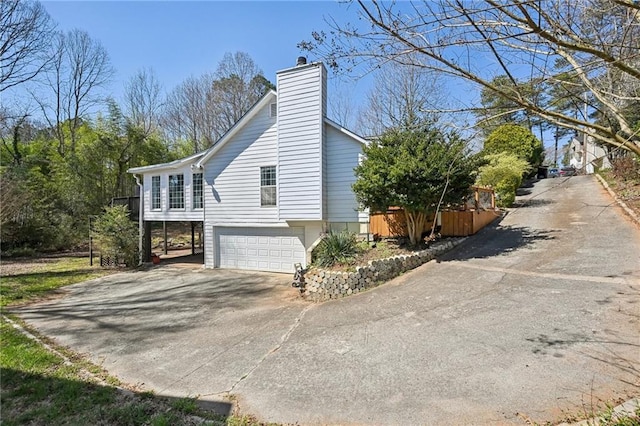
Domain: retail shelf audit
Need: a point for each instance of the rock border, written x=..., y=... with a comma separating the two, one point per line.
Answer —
x=621, y=203
x=322, y=285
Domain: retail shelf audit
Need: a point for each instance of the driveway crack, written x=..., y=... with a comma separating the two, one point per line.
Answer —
x=283, y=340
x=572, y=277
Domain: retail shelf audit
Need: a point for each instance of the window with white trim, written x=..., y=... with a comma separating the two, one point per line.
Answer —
x=196, y=191
x=155, y=193
x=268, y=186
x=176, y=191
x=273, y=110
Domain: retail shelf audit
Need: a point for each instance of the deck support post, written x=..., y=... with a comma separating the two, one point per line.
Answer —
x=146, y=244
x=164, y=232
x=193, y=238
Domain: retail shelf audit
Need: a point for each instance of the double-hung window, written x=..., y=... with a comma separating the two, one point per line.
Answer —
x=268, y=186
x=176, y=191
x=196, y=191
x=155, y=193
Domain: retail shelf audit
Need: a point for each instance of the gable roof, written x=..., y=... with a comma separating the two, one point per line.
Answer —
x=347, y=132
x=265, y=100
x=170, y=165
x=201, y=158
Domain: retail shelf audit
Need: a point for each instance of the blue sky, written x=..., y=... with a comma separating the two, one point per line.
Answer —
x=179, y=39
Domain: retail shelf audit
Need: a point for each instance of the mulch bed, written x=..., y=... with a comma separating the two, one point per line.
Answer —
x=378, y=250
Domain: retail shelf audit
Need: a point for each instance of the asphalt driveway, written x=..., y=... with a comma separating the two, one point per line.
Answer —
x=534, y=319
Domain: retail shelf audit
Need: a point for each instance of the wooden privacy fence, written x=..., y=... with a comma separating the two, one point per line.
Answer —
x=461, y=223
x=477, y=212
x=393, y=223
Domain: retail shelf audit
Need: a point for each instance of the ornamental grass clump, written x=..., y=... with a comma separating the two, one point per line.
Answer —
x=341, y=247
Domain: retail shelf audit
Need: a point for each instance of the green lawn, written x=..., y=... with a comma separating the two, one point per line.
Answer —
x=38, y=388
x=26, y=280
x=47, y=387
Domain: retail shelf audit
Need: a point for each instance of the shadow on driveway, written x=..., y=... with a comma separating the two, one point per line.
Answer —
x=172, y=330
x=495, y=240
x=533, y=202
x=163, y=299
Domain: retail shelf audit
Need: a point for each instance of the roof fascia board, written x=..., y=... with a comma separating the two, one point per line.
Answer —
x=347, y=132
x=166, y=166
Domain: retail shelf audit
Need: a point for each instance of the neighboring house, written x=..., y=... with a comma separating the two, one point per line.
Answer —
x=271, y=186
x=594, y=154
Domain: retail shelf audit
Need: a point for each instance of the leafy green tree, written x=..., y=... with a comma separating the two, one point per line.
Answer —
x=47, y=197
x=116, y=235
x=106, y=150
x=498, y=110
x=415, y=169
x=33, y=213
x=516, y=140
x=503, y=172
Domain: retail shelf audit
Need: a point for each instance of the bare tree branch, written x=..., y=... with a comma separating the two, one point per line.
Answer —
x=80, y=70
x=143, y=100
x=401, y=96
x=596, y=41
x=26, y=30
x=202, y=109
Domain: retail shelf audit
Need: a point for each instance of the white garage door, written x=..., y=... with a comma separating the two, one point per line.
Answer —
x=261, y=249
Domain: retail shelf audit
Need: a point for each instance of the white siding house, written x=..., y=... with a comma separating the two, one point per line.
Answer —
x=168, y=191
x=272, y=185
x=593, y=153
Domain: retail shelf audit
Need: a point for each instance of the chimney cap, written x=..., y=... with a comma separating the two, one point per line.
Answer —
x=302, y=60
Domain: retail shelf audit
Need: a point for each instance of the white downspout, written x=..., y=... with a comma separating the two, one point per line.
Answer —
x=140, y=218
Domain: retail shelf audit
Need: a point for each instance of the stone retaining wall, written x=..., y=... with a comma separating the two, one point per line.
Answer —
x=321, y=285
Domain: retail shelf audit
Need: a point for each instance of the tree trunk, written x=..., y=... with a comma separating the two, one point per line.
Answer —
x=416, y=221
